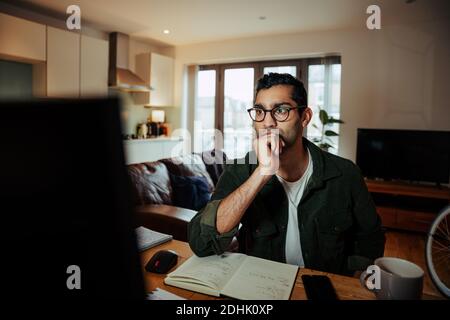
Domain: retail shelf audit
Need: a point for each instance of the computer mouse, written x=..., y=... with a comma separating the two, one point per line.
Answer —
x=162, y=261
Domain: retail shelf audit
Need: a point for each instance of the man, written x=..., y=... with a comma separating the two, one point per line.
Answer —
x=297, y=204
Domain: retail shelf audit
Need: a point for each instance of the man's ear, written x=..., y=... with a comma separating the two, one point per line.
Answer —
x=306, y=117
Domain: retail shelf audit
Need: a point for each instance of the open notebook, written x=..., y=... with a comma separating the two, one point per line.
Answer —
x=235, y=275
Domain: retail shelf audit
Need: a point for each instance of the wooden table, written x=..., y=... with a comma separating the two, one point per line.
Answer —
x=347, y=288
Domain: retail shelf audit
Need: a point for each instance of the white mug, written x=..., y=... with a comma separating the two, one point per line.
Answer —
x=398, y=279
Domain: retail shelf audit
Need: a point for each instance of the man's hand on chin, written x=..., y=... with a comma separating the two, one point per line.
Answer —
x=268, y=147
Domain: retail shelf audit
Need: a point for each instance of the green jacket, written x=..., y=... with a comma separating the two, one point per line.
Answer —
x=340, y=231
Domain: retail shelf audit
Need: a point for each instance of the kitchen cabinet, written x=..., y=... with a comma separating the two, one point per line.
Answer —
x=63, y=63
x=94, y=67
x=158, y=72
x=22, y=40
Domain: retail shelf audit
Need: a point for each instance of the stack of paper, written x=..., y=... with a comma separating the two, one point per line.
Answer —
x=160, y=294
x=147, y=238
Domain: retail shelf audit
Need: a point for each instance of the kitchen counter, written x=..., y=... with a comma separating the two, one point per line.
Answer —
x=162, y=138
x=152, y=149
x=153, y=139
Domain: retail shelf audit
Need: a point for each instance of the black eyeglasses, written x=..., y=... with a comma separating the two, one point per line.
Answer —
x=279, y=113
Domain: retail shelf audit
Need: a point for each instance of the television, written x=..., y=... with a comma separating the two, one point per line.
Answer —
x=410, y=155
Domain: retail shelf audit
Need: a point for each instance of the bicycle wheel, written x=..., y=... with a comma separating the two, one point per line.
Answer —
x=438, y=252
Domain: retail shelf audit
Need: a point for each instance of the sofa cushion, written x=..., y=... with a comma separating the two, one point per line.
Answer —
x=188, y=165
x=190, y=192
x=151, y=183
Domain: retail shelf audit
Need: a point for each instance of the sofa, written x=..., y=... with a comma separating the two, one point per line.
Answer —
x=154, y=189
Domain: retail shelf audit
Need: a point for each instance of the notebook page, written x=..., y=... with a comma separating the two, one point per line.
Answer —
x=214, y=271
x=261, y=279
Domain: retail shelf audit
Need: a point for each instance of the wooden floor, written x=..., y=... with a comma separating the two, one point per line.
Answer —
x=410, y=246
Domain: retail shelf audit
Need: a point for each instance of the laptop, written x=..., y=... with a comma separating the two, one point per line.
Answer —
x=67, y=219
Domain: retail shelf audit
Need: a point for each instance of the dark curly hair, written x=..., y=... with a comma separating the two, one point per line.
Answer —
x=274, y=79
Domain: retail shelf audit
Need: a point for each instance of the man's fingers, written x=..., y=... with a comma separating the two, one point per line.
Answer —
x=275, y=145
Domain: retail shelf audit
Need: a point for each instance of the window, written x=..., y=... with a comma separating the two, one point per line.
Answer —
x=238, y=97
x=225, y=92
x=292, y=70
x=205, y=111
x=324, y=89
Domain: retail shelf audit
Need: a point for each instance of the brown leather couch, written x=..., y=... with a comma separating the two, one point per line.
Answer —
x=153, y=189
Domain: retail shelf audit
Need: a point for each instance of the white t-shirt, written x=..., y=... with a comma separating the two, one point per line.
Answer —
x=294, y=191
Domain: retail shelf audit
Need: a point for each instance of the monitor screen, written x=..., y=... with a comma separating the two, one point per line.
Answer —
x=65, y=199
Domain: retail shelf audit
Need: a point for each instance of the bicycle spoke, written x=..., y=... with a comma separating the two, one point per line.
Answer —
x=446, y=227
x=439, y=256
x=436, y=249
x=440, y=232
x=435, y=241
x=441, y=261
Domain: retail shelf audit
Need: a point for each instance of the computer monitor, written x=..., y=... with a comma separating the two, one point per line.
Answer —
x=68, y=224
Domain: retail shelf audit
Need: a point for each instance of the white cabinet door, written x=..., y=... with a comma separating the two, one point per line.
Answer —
x=157, y=71
x=21, y=39
x=63, y=63
x=161, y=80
x=94, y=67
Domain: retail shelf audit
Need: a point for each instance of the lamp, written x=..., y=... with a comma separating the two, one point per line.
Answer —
x=158, y=116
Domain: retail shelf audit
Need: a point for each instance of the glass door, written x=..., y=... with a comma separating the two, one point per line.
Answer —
x=205, y=109
x=237, y=98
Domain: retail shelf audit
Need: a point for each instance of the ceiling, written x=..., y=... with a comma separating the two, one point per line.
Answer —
x=193, y=21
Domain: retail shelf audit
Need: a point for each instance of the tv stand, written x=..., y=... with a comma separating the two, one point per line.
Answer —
x=407, y=206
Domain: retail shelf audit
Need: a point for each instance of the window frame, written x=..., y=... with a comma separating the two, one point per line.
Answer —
x=301, y=65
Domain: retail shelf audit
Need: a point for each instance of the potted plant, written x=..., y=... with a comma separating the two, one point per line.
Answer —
x=324, y=141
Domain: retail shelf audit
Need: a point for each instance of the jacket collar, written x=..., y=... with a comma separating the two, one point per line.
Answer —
x=324, y=167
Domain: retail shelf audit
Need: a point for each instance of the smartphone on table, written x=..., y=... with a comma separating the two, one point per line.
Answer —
x=318, y=287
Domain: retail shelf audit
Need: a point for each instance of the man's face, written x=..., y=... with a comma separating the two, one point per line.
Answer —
x=289, y=130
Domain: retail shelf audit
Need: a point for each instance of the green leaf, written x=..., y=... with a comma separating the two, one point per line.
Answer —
x=333, y=120
x=330, y=133
x=315, y=126
x=323, y=116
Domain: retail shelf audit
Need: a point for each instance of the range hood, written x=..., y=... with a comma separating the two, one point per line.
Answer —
x=120, y=77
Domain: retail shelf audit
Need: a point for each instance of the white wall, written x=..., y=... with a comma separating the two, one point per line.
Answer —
x=396, y=77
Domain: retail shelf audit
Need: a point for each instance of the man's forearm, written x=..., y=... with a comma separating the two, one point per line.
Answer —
x=232, y=207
